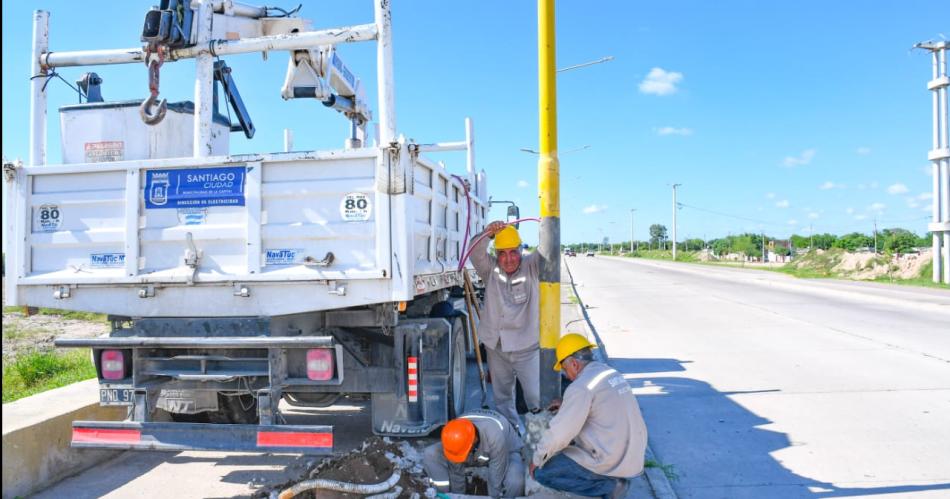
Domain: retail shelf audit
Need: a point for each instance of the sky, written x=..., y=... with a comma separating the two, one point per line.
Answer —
x=783, y=117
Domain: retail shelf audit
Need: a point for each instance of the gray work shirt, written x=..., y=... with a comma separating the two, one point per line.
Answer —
x=497, y=439
x=599, y=425
x=510, y=322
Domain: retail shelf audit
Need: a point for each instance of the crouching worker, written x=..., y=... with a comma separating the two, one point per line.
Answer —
x=597, y=439
x=478, y=438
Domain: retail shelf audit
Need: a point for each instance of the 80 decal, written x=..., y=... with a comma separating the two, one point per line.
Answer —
x=355, y=207
x=48, y=218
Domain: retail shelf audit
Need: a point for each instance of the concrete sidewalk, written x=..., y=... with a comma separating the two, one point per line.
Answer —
x=653, y=482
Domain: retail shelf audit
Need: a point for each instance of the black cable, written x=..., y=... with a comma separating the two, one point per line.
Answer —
x=49, y=76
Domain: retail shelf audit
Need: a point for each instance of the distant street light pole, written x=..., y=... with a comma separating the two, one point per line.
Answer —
x=631, y=229
x=585, y=64
x=674, y=220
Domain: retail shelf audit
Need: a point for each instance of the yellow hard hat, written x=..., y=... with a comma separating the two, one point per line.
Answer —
x=568, y=345
x=508, y=238
x=458, y=438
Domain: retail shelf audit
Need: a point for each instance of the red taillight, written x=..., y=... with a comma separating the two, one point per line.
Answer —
x=113, y=364
x=319, y=364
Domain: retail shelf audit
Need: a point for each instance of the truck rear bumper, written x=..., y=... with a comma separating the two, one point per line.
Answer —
x=314, y=440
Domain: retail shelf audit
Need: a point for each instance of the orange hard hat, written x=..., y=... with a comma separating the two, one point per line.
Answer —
x=458, y=437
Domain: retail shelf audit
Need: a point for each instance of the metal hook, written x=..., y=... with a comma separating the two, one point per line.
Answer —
x=145, y=110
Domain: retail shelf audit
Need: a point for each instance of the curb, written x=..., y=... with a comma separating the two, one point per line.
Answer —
x=662, y=488
x=37, y=432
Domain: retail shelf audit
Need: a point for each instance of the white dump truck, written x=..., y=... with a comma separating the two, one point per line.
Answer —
x=235, y=281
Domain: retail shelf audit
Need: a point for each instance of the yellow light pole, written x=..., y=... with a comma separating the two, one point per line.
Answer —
x=549, y=195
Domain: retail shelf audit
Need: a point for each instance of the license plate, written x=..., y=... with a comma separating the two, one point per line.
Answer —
x=116, y=396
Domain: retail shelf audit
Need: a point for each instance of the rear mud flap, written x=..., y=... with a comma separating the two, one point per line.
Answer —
x=315, y=440
x=419, y=404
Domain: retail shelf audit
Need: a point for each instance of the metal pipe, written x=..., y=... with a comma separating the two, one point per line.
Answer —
x=937, y=241
x=293, y=41
x=238, y=9
x=549, y=194
x=945, y=166
x=384, y=73
x=204, y=83
x=443, y=146
x=470, y=154
x=288, y=140
x=37, y=92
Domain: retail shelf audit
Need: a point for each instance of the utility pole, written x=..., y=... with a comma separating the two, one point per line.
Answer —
x=632, y=238
x=763, y=246
x=549, y=187
x=875, y=235
x=811, y=236
x=674, y=220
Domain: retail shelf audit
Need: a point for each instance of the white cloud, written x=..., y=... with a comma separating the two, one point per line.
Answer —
x=522, y=184
x=877, y=207
x=897, y=188
x=793, y=222
x=828, y=185
x=813, y=216
x=849, y=211
x=669, y=130
x=912, y=202
x=927, y=170
x=873, y=185
x=929, y=208
x=923, y=196
x=594, y=208
x=782, y=204
x=660, y=82
x=860, y=217
x=801, y=160
x=769, y=195
x=863, y=151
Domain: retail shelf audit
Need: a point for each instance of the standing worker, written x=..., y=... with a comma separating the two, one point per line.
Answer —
x=509, y=325
x=477, y=438
x=597, y=440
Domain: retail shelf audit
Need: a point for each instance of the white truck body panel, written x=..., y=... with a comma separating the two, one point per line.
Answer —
x=108, y=251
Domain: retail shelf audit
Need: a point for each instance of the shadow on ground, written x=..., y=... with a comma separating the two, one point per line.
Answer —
x=716, y=446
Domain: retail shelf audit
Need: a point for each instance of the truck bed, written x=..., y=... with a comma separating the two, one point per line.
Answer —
x=290, y=233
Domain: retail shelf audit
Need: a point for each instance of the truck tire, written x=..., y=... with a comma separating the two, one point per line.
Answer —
x=458, y=369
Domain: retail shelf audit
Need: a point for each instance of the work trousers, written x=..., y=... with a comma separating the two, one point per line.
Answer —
x=505, y=367
x=564, y=474
x=450, y=477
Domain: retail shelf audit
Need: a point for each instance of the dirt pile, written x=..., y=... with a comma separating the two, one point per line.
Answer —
x=862, y=266
x=374, y=462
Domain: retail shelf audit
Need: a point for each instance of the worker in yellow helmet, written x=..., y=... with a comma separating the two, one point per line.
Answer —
x=597, y=440
x=477, y=438
x=509, y=323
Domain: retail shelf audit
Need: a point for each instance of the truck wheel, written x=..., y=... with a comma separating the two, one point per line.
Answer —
x=457, y=374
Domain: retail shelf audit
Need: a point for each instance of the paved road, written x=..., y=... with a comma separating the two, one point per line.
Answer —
x=755, y=384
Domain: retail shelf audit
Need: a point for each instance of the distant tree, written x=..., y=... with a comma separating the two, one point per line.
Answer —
x=657, y=234
x=924, y=240
x=899, y=240
x=824, y=241
x=694, y=244
x=800, y=242
x=748, y=245
x=853, y=241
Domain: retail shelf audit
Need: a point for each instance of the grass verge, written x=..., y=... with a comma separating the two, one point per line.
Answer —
x=65, y=314
x=34, y=372
x=667, y=469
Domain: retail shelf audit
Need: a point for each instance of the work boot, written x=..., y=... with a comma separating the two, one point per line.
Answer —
x=620, y=489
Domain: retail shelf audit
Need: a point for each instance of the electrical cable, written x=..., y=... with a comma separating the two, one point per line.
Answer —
x=49, y=76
